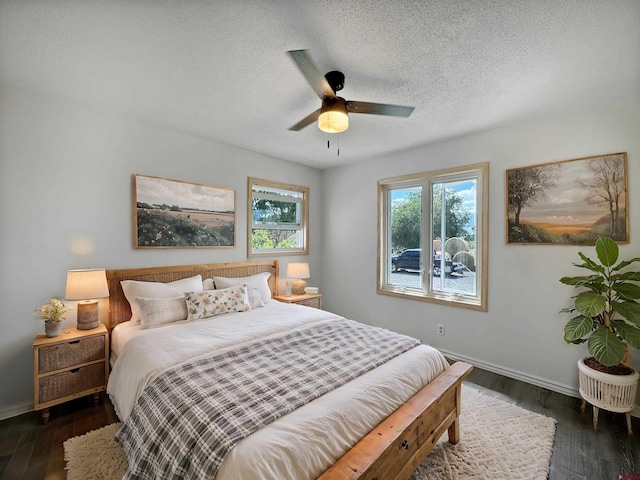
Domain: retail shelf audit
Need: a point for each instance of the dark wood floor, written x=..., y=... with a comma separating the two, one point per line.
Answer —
x=30, y=450
x=579, y=452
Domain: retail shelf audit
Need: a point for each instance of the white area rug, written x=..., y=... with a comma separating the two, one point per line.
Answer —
x=498, y=440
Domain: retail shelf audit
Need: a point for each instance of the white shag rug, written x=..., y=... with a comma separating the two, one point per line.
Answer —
x=498, y=440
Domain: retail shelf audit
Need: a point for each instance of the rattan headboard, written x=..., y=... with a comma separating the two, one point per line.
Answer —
x=119, y=309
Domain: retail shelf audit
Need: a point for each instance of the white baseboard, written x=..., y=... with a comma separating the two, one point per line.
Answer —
x=14, y=412
x=525, y=377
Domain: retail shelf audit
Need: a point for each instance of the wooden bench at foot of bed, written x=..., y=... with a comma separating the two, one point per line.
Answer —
x=395, y=448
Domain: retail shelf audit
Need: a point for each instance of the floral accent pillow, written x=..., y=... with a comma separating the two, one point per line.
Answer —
x=259, y=281
x=217, y=302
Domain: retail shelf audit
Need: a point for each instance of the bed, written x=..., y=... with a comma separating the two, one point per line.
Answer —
x=344, y=434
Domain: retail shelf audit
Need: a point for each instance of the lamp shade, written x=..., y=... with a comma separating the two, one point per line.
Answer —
x=333, y=122
x=86, y=284
x=298, y=270
x=333, y=117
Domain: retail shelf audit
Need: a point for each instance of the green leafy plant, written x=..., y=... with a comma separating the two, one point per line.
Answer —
x=609, y=315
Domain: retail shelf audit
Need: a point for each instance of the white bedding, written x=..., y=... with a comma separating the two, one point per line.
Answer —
x=120, y=335
x=301, y=444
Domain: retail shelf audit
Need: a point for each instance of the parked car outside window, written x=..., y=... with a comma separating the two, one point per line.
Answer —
x=410, y=259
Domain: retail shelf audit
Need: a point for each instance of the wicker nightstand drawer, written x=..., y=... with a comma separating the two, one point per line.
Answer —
x=71, y=365
x=310, y=302
x=84, y=350
x=60, y=385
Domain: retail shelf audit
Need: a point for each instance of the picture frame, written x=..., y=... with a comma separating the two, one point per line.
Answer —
x=570, y=202
x=178, y=214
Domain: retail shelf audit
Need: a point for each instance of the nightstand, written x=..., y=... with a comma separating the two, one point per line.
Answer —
x=309, y=299
x=71, y=365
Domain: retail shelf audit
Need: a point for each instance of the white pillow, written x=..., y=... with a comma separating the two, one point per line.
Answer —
x=161, y=311
x=217, y=302
x=135, y=288
x=255, y=299
x=259, y=281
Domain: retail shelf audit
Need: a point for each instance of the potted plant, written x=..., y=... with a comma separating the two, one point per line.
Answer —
x=52, y=314
x=608, y=321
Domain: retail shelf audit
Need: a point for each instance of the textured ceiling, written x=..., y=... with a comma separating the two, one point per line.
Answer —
x=218, y=69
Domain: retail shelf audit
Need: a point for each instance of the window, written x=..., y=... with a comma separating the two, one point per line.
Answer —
x=277, y=218
x=433, y=236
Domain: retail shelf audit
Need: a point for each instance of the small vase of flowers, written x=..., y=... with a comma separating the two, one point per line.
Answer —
x=52, y=314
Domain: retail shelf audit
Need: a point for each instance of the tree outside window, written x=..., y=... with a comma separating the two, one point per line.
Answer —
x=453, y=268
x=277, y=216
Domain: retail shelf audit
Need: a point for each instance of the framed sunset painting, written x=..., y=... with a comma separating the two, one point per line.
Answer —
x=570, y=202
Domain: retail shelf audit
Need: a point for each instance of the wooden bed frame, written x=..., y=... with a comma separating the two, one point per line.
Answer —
x=392, y=450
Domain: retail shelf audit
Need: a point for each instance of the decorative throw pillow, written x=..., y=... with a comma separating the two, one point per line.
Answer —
x=217, y=302
x=259, y=281
x=155, y=312
x=135, y=288
x=255, y=299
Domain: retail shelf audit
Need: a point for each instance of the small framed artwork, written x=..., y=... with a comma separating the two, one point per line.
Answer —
x=177, y=214
x=570, y=202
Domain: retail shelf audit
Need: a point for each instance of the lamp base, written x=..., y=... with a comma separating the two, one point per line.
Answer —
x=88, y=315
x=298, y=286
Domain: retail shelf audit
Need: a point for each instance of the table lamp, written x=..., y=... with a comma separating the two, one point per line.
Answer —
x=298, y=271
x=87, y=286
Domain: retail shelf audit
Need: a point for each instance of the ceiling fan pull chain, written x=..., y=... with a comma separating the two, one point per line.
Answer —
x=329, y=142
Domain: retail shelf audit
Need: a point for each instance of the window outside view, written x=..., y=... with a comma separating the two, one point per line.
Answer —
x=277, y=218
x=273, y=217
x=457, y=218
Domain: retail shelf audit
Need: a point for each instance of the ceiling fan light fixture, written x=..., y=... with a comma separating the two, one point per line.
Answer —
x=333, y=122
x=334, y=118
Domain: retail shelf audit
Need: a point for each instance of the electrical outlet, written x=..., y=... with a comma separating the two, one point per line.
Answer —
x=440, y=329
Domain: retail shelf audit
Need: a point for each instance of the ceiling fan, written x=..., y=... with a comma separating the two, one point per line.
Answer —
x=333, y=115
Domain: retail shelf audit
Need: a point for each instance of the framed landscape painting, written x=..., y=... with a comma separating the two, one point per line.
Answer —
x=570, y=202
x=173, y=213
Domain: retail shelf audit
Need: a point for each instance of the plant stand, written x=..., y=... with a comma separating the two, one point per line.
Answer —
x=614, y=393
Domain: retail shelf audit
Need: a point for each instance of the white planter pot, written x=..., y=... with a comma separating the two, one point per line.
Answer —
x=615, y=393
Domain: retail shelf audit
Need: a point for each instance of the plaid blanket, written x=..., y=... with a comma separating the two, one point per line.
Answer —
x=187, y=420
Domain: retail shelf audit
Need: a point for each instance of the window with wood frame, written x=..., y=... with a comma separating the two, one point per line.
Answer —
x=432, y=239
x=278, y=218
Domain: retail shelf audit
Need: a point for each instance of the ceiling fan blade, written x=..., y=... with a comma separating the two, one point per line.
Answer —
x=306, y=121
x=311, y=73
x=379, y=109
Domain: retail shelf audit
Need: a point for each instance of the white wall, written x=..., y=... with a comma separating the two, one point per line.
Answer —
x=521, y=335
x=66, y=173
